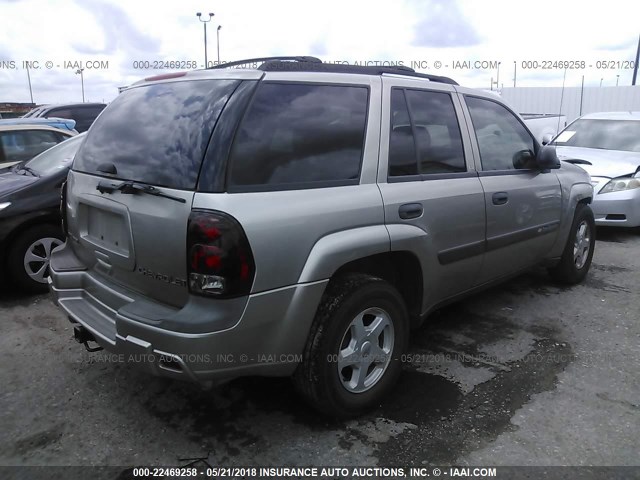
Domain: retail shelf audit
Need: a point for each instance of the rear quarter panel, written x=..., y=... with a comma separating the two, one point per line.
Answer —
x=284, y=228
x=300, y=236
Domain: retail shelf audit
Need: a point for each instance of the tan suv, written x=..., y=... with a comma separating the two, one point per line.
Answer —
x=298, y=219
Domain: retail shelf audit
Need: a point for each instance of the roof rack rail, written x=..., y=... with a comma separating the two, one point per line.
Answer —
x=314, y=64
x=428, y=76
x=303, y=66
x=267, y=59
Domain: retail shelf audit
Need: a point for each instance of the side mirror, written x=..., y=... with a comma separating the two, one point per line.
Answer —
x=547, y=158
x=546, y=139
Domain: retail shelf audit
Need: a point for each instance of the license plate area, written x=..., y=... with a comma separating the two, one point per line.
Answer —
x=105, y=230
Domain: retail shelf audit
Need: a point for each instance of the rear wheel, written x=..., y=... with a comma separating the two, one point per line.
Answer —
x=352, y=356
x=29, y=256
x=576, y=258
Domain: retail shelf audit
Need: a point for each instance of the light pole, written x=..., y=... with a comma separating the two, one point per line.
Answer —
x=218, y=42
x=29, y=79
x=79, y=72
x=635, y=66
x=199, y=15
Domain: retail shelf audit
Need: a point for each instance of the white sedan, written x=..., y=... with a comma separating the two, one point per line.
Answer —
x=607, y=146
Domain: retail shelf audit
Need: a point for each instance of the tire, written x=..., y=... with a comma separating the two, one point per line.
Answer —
x=38, y=241
x=350, y=303
x=576, y=258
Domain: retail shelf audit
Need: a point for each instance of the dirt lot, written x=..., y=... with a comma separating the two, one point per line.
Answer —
x=528, y=373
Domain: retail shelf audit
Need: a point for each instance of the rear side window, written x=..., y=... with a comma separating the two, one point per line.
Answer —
x=84, y=116
x=157, y=133
x=300, y=136
x=402, y=150
x=87, y=114
x=425, y=136
x=61, y=113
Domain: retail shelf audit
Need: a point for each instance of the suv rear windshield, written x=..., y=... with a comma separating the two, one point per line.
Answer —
x=157, y=133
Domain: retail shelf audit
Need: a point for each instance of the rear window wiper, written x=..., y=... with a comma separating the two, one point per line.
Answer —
x=131, y=188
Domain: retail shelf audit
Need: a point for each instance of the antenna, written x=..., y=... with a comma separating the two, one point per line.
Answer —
x=581, y=94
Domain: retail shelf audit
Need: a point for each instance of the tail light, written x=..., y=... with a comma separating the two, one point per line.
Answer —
x=63, y=208
x=219, y=259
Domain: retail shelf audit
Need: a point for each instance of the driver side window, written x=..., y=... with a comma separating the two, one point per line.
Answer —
x=503, y=141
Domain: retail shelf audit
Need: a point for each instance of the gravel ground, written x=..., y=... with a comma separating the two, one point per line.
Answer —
x=527, y=373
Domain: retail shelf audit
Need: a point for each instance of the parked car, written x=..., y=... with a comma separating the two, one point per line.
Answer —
x=61, y=123
x=83, y=113
x=607, y=146
x=30, y=214
x=289, y=223
x=19, y=143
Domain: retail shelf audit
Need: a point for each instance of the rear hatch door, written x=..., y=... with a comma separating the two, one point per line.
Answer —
x=130, y=192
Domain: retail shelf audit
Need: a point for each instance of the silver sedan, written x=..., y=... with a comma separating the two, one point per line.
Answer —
x=607, y=146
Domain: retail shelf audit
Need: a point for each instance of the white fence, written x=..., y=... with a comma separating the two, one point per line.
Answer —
x=575, y=101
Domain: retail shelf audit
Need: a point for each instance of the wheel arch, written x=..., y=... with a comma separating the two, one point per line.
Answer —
x=402, y=269
x=579, y=193
x=368, y=250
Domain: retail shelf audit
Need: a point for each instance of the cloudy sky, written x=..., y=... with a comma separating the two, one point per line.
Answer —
x=116, y=36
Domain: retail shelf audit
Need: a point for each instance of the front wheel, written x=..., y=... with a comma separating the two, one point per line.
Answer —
x=576, y=258
x=352, y=356
x=29, y=256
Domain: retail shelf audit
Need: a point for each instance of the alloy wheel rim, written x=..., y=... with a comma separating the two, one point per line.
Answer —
x=365, y=350
x=37, y=258
x=581, y=245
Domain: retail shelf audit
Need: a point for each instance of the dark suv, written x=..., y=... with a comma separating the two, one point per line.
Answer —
x=83, y=113
x=300, y=218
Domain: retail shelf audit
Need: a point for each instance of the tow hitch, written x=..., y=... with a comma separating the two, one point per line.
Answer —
x=84, y=336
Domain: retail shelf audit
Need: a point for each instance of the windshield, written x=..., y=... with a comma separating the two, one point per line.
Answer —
x=55, y=158
x=603, y=134
x=156, y=134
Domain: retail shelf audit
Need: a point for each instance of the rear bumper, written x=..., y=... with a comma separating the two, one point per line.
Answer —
x=266, y=338
x=618, y=209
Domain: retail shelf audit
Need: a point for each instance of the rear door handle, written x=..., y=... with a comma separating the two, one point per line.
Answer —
x=410, y=210
x=500, y=198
